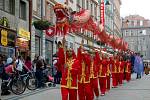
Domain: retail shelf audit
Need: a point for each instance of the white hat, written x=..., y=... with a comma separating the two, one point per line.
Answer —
x=9, y=60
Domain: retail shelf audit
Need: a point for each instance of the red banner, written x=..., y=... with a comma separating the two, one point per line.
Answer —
x=102, y=13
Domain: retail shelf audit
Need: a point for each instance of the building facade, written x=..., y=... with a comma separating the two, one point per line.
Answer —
x=112, y=17
x=117, y=18
x=42, y=44
x=14, y=27
x=136, y=31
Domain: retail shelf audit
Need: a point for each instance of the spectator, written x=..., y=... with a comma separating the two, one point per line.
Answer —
x=39, y=71
x=7, y=69
x=19, y=64
x=28, y=64
x=138, y=65
x=34, y=62
x=1, y=66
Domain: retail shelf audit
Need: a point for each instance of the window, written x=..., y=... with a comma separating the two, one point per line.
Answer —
x=131, y=34
x=71, y=1
x=8, y=6
x=48, y=52
x=138, y=22
x=22, y=13
x=87, y=4
x=145, y=54
x=34, y=3
x=39, y=7
x=95, y=11
x=78, y=1
x=91, y=8
x=141, y=23
x=1, y=4
x=132, y=23
x=143, y=38
x=37, y=46
x=83, y=3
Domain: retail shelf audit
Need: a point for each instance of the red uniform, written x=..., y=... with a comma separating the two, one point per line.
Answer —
x=69, y=80
x=117, y=69
x=108, y=76
x=84, y=86
x=102, y=75
x=128, y=71
x=69, y=76
x=94, y=74
x=114, y=72
x=121, y=71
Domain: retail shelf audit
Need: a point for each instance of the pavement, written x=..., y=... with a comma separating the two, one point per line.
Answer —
x=136, y=89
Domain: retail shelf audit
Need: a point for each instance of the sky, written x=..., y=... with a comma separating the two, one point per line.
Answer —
x=138, y=7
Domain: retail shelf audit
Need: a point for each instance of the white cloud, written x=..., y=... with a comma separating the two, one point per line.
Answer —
x=140, y=7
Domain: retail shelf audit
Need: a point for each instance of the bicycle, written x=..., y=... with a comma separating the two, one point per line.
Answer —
x=30, y=80
x=14, y=83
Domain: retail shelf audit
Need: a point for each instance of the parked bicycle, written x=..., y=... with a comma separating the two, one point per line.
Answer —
x=14, y=84
x=30, y=80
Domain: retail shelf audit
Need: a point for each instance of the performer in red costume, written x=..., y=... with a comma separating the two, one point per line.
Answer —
x=84, y=87
x=128, y=71
x=69, y=74
x=94, y=73
x=102, y=75
x=108, y=75
x=121, y=70
x=114, y=72
x=117, y=69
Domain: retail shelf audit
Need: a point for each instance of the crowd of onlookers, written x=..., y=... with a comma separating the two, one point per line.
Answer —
x=11, y=64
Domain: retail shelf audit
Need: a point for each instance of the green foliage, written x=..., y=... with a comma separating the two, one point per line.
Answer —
x=42, y=24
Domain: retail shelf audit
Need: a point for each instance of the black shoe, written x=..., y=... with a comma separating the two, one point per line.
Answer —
x=5, y=93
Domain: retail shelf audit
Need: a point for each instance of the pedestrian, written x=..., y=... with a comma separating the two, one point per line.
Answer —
x=55, y=71
x=132, y=59
x=28, y=64
x=19, y=64
x=8, y=69
x=1, y=66
x=138, y=65
x=39, y=72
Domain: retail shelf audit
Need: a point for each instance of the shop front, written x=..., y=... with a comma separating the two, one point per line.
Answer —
x=22, y=43
x=7, y=39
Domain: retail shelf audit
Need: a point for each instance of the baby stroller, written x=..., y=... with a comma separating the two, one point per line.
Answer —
x=48, y=79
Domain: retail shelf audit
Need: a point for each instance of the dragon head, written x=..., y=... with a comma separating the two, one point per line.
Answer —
x=62, y=13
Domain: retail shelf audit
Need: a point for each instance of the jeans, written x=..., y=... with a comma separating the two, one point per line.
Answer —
x=39, y=76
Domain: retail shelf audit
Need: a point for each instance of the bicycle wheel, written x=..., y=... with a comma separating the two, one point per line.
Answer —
x=31, y=83
x=17, y=86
